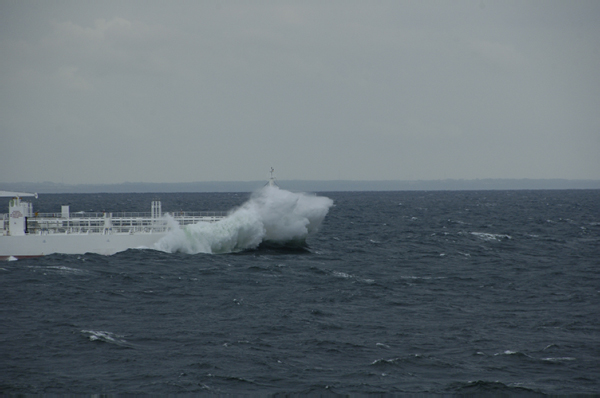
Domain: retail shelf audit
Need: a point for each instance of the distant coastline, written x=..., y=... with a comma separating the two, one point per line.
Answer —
x=306, y=186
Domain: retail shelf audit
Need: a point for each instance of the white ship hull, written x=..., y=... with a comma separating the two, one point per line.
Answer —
x=41, y=245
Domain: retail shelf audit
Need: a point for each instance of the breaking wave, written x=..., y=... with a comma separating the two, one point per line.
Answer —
x=271, y=215
x=107, y=337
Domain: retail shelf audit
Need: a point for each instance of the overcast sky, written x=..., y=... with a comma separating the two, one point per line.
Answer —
x=181, y=91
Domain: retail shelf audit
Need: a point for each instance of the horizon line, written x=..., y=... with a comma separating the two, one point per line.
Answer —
x=309, y=185
x=307, y=180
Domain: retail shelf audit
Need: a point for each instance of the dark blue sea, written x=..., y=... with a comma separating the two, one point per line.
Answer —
x=397, y=292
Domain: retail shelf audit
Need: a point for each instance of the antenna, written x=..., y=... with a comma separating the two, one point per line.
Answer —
x=272, y=179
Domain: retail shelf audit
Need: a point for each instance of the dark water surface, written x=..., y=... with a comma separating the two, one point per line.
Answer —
x=435, y=292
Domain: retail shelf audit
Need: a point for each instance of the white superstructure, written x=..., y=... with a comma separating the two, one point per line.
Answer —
x=24, y=233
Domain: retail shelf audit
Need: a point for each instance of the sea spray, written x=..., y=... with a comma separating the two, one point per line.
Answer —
x=271, y=215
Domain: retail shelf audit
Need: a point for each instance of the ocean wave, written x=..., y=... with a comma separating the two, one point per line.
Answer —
x=107, y=337
x=513, y=353
x=491, y=237
x=271, y=216
x=486, y=387
x=559, y=359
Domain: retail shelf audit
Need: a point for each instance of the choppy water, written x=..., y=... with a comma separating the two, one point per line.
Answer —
x=437, y=292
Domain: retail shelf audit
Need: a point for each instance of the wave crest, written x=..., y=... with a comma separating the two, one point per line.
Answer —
x=271, y=215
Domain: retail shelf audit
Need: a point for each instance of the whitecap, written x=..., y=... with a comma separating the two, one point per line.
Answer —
x=107, y=337
x=348, y=276
x=422, y=277
x=342, y=275
x=271, y=215
x=559, y=359
x=491, y=237
x=382, y=361
x=65, y=270
x=507, y=352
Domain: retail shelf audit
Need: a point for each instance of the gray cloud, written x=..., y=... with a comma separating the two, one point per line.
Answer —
x=106, y=92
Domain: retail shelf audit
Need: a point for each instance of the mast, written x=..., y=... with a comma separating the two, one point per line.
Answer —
x=272, y=179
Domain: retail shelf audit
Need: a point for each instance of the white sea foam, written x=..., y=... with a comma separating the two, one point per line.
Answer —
x=560, y=359
x=108, y=337
x=491, y=237
x=271, y=215
x=65, y=270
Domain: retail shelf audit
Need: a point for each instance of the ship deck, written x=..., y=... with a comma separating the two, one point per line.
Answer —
x=108, y=223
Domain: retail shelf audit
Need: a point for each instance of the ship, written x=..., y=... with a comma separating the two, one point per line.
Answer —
x=25, y=233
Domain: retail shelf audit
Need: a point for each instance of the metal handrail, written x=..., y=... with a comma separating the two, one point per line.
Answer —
x=84, y=214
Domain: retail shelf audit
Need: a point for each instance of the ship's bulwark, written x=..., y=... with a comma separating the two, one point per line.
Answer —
x=40, y=245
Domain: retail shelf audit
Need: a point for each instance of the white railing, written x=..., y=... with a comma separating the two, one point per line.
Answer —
x=108, y=223
x=85, y=214
x=3, y=224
